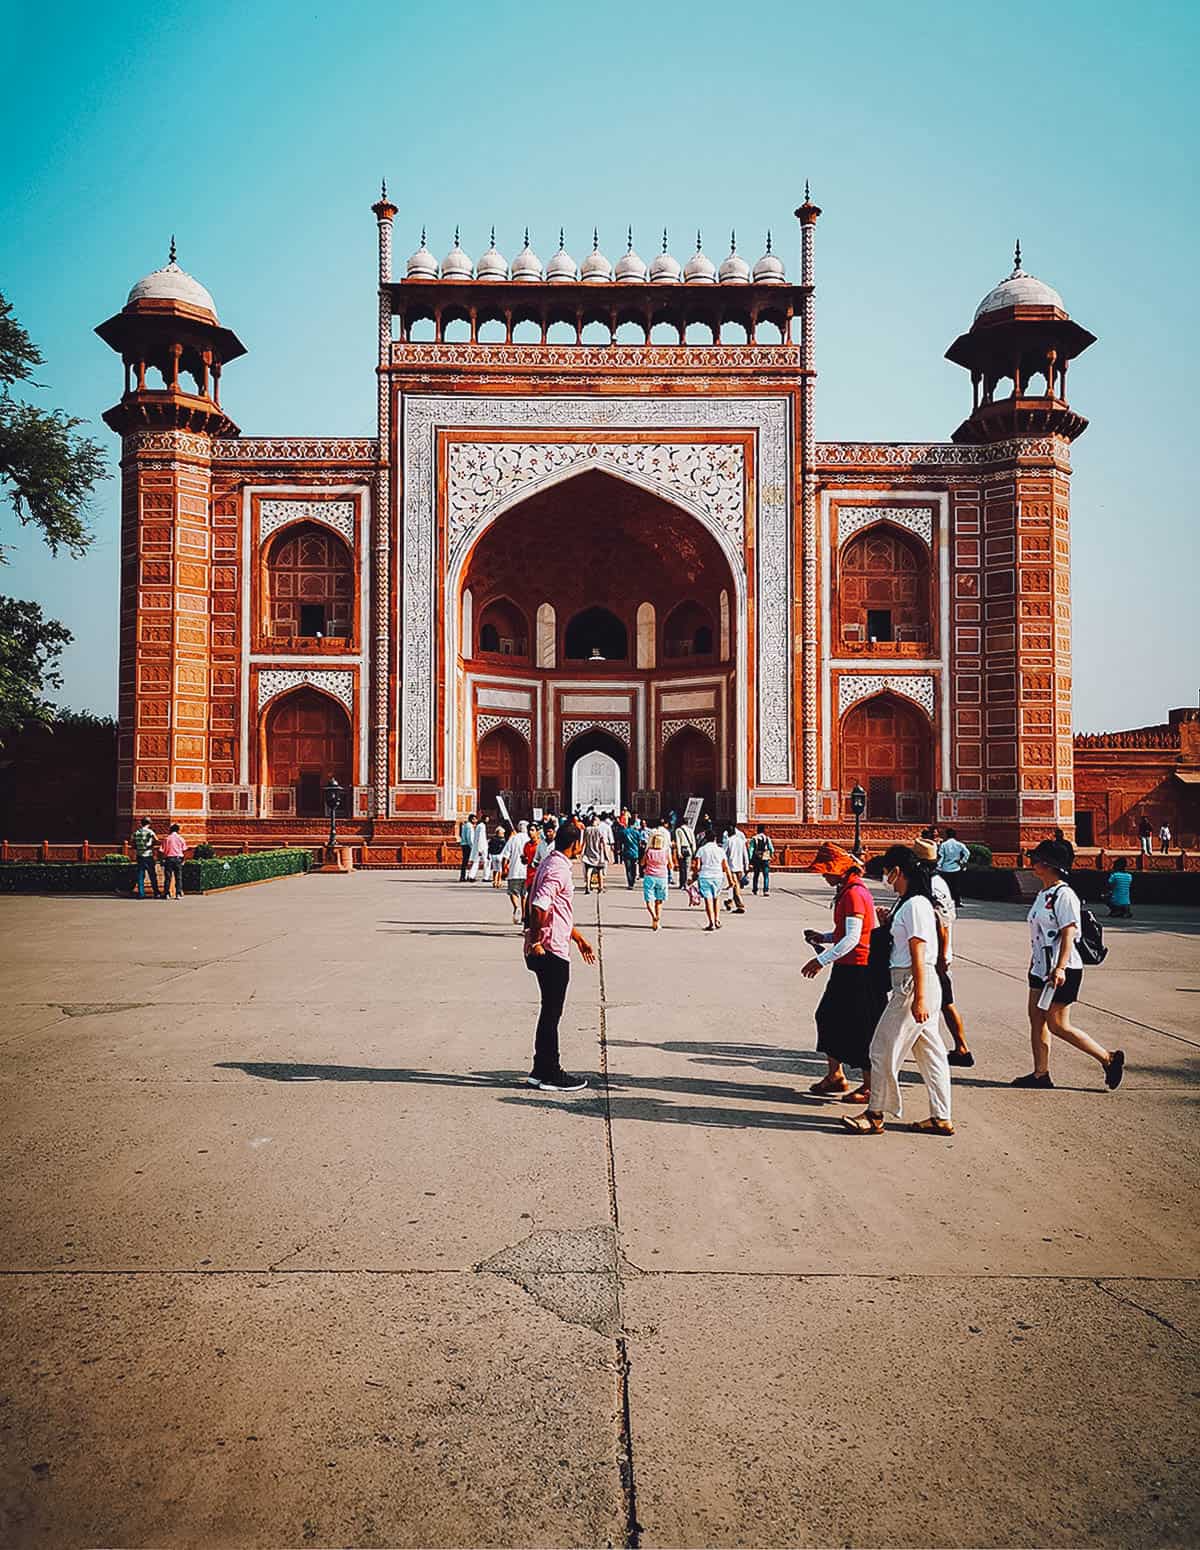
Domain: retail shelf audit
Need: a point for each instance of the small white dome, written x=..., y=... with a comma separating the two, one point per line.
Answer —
x=596, y=269
x=734, y=269
x=422, y=265
x=1019, y=290
x=665, y=270
x=562, y=268
x=700, y=269
x=631, y=267
x=527, y=266
x=769, y=269
x=456, y=265
x=492, y=265
x=170, y=283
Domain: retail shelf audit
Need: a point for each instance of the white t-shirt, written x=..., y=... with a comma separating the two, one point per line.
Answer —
x=913, y=918
x=606, y=830
x=512, y=854
x=943, y=908
x=1053, y=910
x=738, y=852
x=712, y=861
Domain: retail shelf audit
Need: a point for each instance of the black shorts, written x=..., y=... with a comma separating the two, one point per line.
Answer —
x=1067, y=992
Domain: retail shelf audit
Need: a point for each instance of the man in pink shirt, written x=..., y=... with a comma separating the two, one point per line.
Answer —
x=172, y=849
x=548, y=953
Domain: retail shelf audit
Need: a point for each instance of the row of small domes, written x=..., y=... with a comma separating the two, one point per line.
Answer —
x=630, y=268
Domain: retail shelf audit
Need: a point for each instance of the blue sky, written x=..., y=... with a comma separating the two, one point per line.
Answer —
x=933, y=133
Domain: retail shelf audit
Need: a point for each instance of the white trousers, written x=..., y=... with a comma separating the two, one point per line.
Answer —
x=898, y=1035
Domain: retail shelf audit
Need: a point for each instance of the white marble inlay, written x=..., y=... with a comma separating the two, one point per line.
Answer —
x=572, y=729
x=916, y=519
x=705, y=724
x=274, y=514
x=918, y=687
x=277, y=680
x=521, y=724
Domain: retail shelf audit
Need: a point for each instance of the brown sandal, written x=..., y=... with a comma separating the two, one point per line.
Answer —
x=867, y=1124
x=828, y=1085
x=859, y=1095
x=933, y=1127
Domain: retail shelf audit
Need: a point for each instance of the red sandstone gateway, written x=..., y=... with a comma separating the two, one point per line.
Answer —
x=594, y=542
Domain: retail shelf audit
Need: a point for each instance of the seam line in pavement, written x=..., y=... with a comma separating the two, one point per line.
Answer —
x=1181, y=1279
x=624, y=1420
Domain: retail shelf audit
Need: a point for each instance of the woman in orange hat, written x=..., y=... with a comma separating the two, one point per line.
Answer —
x=852, y=1003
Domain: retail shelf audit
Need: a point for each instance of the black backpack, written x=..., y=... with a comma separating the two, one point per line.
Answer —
x=1090, y=940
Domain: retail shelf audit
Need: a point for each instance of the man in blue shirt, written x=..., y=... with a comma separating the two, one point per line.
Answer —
x=953, y=855
x=1119, y=890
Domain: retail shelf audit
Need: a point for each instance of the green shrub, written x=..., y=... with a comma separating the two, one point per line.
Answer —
x=255, y=866
x=204, y=851
x=204, y=876
x=981, y=855
x=113, y=857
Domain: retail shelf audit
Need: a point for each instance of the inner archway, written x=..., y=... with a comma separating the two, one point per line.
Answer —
x=307, y=740
x=689, y=770
x=504, y=772
x=887, y=748
x=596, y=635
x=609, y=776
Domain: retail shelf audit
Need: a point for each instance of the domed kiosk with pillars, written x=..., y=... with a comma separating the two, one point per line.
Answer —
x=594, y=544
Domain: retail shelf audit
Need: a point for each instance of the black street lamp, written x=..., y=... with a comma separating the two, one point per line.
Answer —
x=858, y=805
x=334, y=795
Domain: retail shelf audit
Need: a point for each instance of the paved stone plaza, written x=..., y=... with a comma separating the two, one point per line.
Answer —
x=292, y=1260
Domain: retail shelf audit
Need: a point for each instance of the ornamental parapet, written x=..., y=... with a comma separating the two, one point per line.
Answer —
x=898, y=456
x=485, y=357
x=292, y=449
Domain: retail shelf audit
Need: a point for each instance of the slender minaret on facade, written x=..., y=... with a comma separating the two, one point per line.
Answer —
x=807, y=215
x=381, y=550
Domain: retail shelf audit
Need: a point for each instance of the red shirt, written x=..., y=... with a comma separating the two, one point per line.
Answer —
x=855, y=899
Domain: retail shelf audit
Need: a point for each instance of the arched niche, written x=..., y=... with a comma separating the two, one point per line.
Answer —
x=596, y=634
x=689, y=769
x=503, y=631
x=596, y=740
x=306, y=740
x=646, y=633
x=308, y=584
x=884, y=577
x=688, y=632
x=502, y=770
x=886, y=747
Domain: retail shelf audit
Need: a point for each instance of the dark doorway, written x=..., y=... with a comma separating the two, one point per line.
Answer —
x=596, y=741
x=1085, y=828
x=308, y=794
x=504, y=772
x=596, y=630
x=312, y=618
x=689, y=767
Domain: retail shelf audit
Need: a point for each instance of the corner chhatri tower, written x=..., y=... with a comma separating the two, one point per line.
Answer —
x=594, y=553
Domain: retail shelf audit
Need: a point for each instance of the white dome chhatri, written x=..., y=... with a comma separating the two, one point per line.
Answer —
x=665, y=269
x=170, y=283
x=734, y=269
x=700, y=269
x=492, y=265
x=527, y=266
x=562, y=268
x=631, y=267
x=1019, y=290
x=769, y=269
x=422, y=265
x=456, y=265
x=596, y=268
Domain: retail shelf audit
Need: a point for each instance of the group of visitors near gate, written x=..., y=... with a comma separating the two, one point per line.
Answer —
x=890, y=983
x=149, y=850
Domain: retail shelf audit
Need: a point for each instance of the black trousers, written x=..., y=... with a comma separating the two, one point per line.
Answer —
x=631, y=870
x=953, y=881
x=466, y=861
x=553, y=975
x=173, y=868
x=762, y=869
x=685, y=866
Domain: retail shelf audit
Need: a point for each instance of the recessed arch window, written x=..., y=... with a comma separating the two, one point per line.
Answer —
x=883, y=588
x=596, y=635
x=503, y=631
x=688, y=632
x=308, y=584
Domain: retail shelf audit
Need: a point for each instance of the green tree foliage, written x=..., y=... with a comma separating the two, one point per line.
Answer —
x=48, y=471
x=30, y=646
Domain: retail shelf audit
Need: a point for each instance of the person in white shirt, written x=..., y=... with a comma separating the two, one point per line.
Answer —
x=514, y=870
x=685, y=849
x=479, y=850
x=737, y=853
x=1164, y=838
x=952, y=856
x=1054, y=925
x=710, y=868
x=943, y=908
x=909, y=1025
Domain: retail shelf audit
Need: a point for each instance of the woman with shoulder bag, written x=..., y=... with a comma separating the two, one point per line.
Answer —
x=1056, y=969
x=909, y=1025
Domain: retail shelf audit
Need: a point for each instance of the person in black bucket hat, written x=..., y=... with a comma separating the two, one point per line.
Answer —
x=1056, y=969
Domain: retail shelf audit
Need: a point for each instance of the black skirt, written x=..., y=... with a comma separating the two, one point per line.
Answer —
x=847, y=1013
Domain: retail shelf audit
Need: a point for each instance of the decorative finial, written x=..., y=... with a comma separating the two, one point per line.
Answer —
x=595, y=239
x=768, y=242
x=629, y=236
x=422, y=236
x=697, y=239
x=664, y=239
x=1017, y=256
x=527, y=236
x=383, y=189
x=493, y=237
x=806, y=194
x=171, y=255
x=733, y=241
x=456, y=236
x=562, y=239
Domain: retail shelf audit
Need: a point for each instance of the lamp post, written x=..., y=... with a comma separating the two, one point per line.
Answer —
x=858, y=803
x=334, y=796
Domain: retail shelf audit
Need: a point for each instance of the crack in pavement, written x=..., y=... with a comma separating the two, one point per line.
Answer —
x=338, y=1221
x=1149, y=1312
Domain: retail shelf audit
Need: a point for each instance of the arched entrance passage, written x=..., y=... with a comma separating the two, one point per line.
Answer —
x=615, y=771
x=504, y=772
x=689, y=765
x=887, y=748
x=307, y=739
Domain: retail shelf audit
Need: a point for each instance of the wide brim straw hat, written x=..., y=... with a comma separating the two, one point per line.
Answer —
x=834, y=860
x=925, y=850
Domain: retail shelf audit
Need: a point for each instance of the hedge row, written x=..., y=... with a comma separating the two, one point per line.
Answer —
x=121, y=876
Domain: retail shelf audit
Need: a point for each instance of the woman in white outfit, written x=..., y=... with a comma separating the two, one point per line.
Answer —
x=909, y=1025
x=479, y=851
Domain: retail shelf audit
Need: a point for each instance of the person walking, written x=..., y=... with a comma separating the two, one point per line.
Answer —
x=546, y=841
x=656, y=870
x=1145, y=835
x=1056, y=970
x=479, y=845
x=514, y=869
x=595, y=855
x=685, y=849
x=943, y=908
x=466, y=841
x=762, y=848
x=952, y=857
x=909, y=1022
x=710, y=868
x=548, y=954
x=853, y=1001
x=632, y=855
x=1164, y=838
x=1119, y=890
x=495, y=850
x=144, y=841
x=172, y=850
